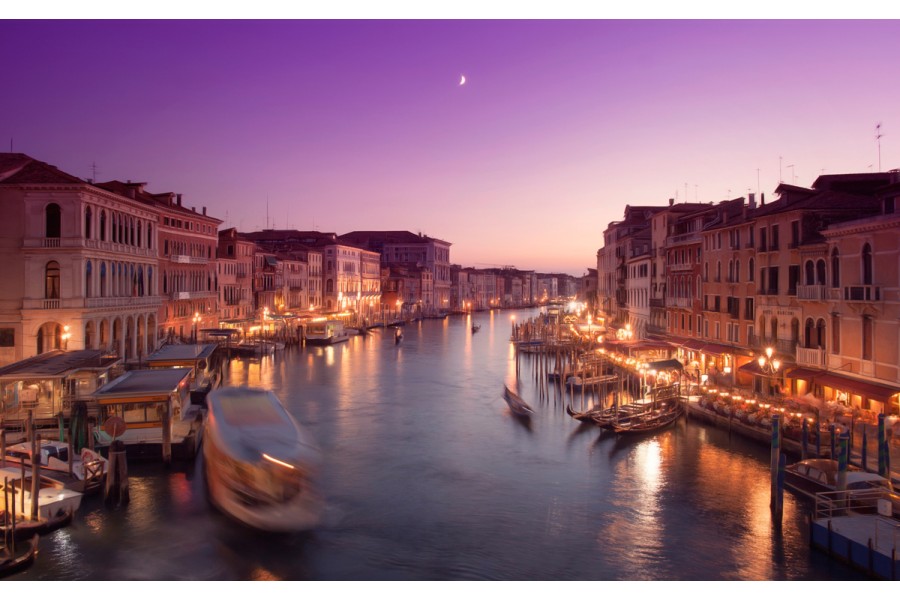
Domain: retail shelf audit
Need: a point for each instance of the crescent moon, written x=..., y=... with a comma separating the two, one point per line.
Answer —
x=462, y=80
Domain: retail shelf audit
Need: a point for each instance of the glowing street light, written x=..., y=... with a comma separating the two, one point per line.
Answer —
x=196, y=320
x=65, y=337
x=768, y=365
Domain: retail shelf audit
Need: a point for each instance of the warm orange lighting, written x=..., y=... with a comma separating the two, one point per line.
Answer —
x=277, y=462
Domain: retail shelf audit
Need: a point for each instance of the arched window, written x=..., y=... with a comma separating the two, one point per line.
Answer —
x=150, y=280
x=835, y=269
x=149, y=236
x=102, y=225
x=140, y=281
x=88, y=279
x=139, y=228
x=820, y=333
x=867, y=264
x=51, y=280
x=809, y=273
x=820, y=272
x=774, y=329
x=114, y=233
x=103, y=280
x=87, y=223
x=53, y=216
x=808, y=333
x=750, y=267
x=40, y=341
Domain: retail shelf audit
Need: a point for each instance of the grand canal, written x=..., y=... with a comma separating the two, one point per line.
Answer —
x=429, y=477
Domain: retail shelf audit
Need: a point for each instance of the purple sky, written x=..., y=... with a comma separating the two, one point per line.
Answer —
x=343, y=125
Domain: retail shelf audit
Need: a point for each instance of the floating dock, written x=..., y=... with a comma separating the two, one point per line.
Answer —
x=865, y=540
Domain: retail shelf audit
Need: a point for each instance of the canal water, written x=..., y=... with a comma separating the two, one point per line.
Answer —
x=428, y=476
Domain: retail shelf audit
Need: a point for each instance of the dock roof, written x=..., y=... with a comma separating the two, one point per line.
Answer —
x=147, y=382
x=58, y=364
x=182, y=352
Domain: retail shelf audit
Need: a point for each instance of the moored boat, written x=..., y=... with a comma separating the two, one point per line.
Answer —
x=88, y=467
x=21, y=560
x=259, y=464
x=53, y=498
x=324, y=333
x=816, y=475
x=657, y=418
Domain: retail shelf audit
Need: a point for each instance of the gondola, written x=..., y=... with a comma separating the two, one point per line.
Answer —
x=649, y=422
x=475, y=328
x=586, y=416
x=10, y=565
x=516, y=404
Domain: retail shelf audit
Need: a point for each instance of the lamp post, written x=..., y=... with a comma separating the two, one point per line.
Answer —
x=65, y=337
x=196, y=320
x=769, y=366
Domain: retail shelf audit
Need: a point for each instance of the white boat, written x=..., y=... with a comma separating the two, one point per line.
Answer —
x=323, y=333
x=259, y=464
x=53, y=498
x=816, y=475
x=87, y=466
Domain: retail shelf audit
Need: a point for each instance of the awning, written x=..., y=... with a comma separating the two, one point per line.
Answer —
x=718, y=349
x=752, y=367
x=802, y=373
x=694, y=344
x=666, y=365
x=882, y=393
x=650, y=345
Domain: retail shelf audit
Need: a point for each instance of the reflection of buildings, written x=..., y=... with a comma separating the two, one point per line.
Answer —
x=77, y=261
x=809, y=276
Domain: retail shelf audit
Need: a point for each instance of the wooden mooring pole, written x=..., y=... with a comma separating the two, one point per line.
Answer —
x=116, y=492
x=777, y=468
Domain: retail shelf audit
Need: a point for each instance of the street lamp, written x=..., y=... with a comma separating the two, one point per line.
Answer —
x=768, y=365
x=196, y=320
x=65, y=337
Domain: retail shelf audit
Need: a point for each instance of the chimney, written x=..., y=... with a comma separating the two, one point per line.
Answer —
x=671, y=201
x=204, y=211
x=194, y=209
x=762, y=199
x=178, y=198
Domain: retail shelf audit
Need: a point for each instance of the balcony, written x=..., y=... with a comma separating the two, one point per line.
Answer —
x=684, y=238
x=680, y=267
x=680, y=302
x=122, y=301
x=83, y=244
x=657, y=303
x=811, y=357
x=862, y=293
x=192, y=295
x=811, y=292
x=188, y=260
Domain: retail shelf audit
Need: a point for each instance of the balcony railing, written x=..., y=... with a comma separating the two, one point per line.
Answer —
x=678, y=267
x=862, y=293
x=189, y=260
x=684, y=238
x=810, y=292
x=115, y=302
x=192, y=295
x=680, y=302
x=811, y=357
x=75, y=243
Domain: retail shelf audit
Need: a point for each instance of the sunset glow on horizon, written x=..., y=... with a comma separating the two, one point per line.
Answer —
x=517, y=141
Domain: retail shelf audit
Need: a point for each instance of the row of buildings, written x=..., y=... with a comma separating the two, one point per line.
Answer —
x=111, y=266
x=813, y=276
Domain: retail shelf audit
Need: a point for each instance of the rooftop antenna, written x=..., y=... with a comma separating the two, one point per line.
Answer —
x=878, y=140
x=793, y=178
x=94, y=171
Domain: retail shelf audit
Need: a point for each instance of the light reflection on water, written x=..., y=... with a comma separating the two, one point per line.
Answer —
x=429, y=476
